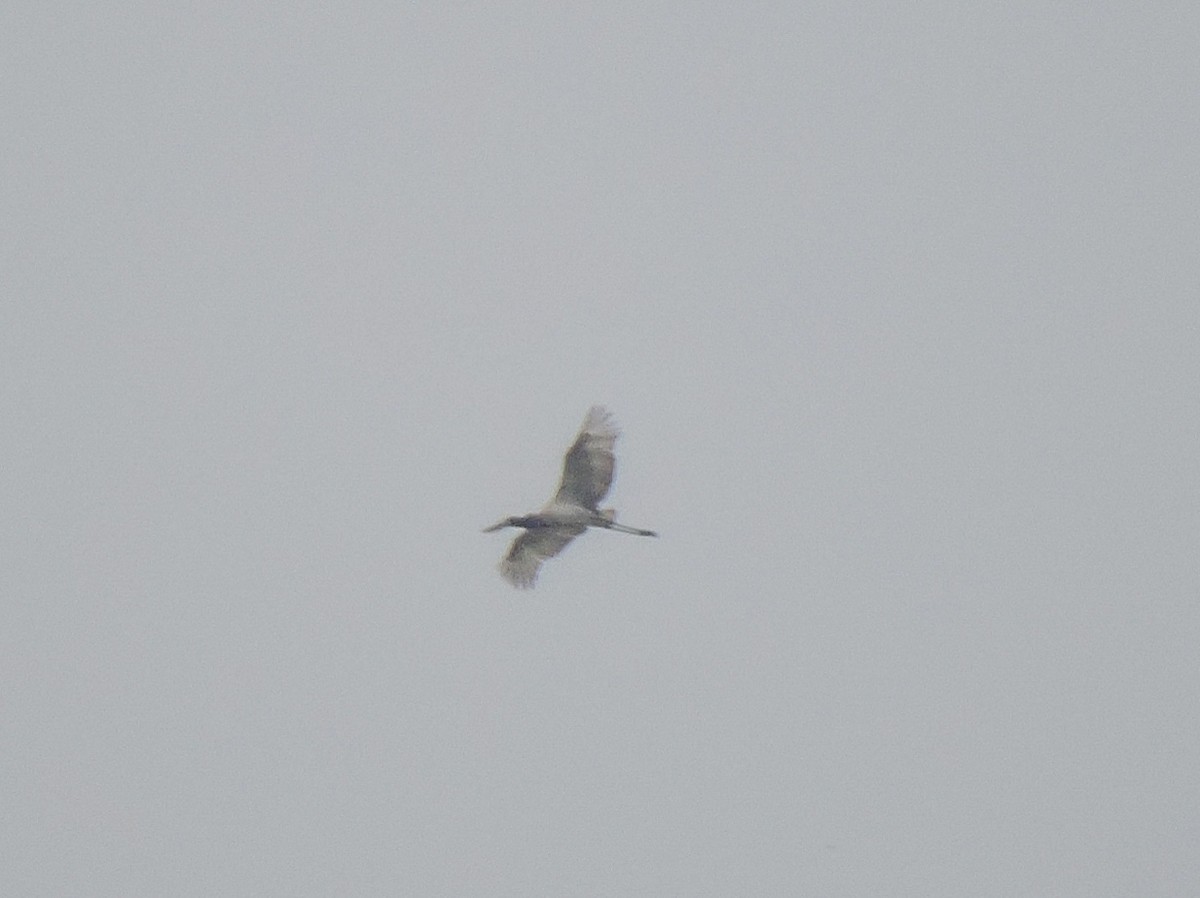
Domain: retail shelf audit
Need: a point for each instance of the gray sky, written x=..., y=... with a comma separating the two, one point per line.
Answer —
x=896, y=304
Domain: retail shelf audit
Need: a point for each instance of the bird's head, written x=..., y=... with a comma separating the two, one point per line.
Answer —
x=500, y=525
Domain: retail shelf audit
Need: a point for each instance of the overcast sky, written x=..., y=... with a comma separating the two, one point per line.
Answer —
x=896, y=304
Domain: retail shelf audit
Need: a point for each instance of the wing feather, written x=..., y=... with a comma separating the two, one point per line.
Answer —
x=525, y=556
x=589, y=463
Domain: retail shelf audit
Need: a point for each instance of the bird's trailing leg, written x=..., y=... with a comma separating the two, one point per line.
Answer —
x=607, y=515
x=634, y=530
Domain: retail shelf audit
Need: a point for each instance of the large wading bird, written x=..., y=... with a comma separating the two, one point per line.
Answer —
x=587, y=475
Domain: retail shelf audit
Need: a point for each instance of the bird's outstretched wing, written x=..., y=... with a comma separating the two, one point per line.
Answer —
x=588, y=464
x=527, y=552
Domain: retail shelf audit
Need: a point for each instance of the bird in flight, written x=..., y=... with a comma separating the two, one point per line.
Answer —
x=587, y=475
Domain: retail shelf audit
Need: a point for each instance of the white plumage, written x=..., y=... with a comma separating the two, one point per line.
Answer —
x=586, y=477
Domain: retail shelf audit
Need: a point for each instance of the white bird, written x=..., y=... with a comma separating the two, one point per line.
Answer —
x=587, y=475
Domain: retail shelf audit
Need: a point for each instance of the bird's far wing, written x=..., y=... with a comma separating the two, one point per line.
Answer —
x=527, y=552
x=588, y=464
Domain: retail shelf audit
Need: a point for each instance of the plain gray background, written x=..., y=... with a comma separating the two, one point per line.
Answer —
x=897, y=305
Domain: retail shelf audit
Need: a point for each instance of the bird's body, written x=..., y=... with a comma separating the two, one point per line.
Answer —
x=586, y=478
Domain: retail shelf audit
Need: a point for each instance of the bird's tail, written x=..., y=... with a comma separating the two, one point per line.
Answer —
x=609, y=514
